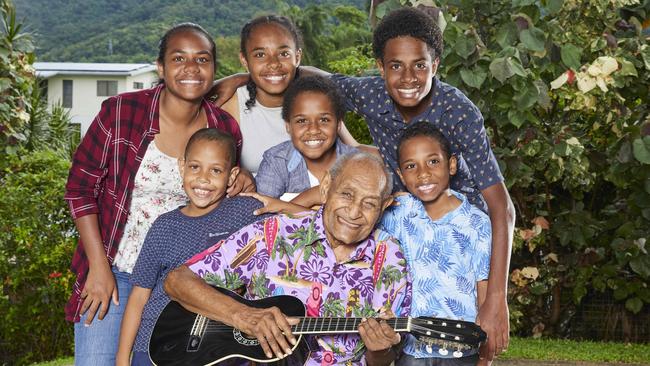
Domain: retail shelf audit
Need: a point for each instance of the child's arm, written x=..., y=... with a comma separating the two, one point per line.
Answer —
x=232, y=107
x=493, y=313
x=308, y=198
x=275, y=205
x=130, y=324
x=225, y=88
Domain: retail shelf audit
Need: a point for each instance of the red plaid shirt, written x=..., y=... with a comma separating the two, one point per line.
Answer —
x=104, y=167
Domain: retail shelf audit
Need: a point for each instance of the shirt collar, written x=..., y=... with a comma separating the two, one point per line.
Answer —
x=417, y=206
x=296, y=159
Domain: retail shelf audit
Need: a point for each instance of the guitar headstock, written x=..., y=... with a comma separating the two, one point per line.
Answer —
x=445, y=335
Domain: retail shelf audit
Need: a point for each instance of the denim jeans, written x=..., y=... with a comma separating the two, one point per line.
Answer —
x=96, y=345
x=408, y=360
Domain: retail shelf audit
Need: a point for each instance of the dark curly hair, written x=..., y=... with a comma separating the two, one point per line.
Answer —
x=183, y=27
x=410, y=22
x=426, y=129
x=213, y=134
x=246, y=31
x=317, y=84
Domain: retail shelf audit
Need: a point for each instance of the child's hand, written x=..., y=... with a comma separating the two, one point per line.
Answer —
x=243, y=183
x=395, y=202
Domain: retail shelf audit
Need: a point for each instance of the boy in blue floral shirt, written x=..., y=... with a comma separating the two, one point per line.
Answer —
x=445, y=239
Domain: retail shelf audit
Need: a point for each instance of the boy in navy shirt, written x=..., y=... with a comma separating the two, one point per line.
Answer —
x=207, y=169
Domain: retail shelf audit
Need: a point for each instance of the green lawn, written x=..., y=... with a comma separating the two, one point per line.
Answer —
x=565, y=350
x=60, y=362
x=542, y=349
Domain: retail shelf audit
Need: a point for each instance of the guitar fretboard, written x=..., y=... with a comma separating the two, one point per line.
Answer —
x=342, y=325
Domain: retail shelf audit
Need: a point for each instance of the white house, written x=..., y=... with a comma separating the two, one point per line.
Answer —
x=82, y=87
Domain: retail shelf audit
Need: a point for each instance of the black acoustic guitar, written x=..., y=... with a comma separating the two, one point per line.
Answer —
x=181, y=337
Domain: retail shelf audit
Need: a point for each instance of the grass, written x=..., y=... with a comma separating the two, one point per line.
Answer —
x=59, y=362
x=566, y=350
x=540, y=349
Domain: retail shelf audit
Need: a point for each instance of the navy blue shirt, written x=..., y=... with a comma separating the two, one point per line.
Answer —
x=450, y=111
x=172, y=240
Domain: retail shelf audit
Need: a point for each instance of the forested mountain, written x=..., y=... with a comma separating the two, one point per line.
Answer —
x=128, y=30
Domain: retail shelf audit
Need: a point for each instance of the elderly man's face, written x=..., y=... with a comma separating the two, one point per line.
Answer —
x=353, y=203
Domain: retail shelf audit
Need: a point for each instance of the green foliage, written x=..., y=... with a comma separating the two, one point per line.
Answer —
x=36, y=243
x=129, y=30
x=49, y=129
x=16, y=78
x=354, y=61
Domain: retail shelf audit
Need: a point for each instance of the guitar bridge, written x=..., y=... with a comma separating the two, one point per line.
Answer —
x=196, y=334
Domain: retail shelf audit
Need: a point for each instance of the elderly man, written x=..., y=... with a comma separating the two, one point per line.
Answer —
x=333, y=260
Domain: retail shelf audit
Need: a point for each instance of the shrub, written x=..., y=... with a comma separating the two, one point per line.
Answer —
x=36, y=244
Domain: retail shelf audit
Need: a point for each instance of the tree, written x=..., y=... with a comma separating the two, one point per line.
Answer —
x=16, y=78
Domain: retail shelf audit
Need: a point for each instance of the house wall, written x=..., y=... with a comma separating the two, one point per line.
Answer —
x=85, y=102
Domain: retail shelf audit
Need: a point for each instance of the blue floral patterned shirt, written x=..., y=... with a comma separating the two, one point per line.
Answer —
x=284, y=170
x=446, y=259
x=450, y=111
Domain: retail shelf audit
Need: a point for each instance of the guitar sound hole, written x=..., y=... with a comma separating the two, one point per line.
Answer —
x=243, y=339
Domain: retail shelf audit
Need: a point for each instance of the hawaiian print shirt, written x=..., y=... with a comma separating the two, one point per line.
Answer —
x=446, y=258
x=290, y=254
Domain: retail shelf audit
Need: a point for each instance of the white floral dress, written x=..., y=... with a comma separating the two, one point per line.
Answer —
x=158, y=188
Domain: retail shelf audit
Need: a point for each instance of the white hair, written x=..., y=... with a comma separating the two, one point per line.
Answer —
x=360, y=156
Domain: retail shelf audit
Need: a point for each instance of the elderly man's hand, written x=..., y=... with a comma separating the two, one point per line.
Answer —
x=379, y=338
x=377, y=335
x=271, y=328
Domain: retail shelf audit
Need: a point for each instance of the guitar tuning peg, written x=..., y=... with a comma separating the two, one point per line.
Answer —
x=443, y=351
x=458, y=354
x=429, y=348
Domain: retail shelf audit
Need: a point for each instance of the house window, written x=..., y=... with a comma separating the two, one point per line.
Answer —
x=106, y=88
x=67, y=93
x=138, y=85
x=43, y=85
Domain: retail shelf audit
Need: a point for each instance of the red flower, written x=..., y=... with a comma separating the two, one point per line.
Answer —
x=55, y=275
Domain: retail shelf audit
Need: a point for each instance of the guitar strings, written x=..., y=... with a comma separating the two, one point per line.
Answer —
x=319, y=325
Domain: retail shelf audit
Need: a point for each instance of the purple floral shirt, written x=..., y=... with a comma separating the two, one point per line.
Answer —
x=290, y=255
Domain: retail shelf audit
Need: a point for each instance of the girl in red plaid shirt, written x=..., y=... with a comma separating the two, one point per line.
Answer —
x=125, y=174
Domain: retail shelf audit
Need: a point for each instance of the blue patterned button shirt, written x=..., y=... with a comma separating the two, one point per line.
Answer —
x=446, y=258
x=450, y=111
x=284, y=169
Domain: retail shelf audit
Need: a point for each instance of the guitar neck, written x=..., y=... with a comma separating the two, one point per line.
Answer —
x=342, y=325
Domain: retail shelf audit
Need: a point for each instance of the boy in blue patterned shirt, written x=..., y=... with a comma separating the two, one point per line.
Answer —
x=445, y=239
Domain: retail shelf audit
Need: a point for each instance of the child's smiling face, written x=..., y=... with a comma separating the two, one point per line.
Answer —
x=408, y=69
x=312, y=125
x=425, y=169
x=272, y=57
x=207, y=171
